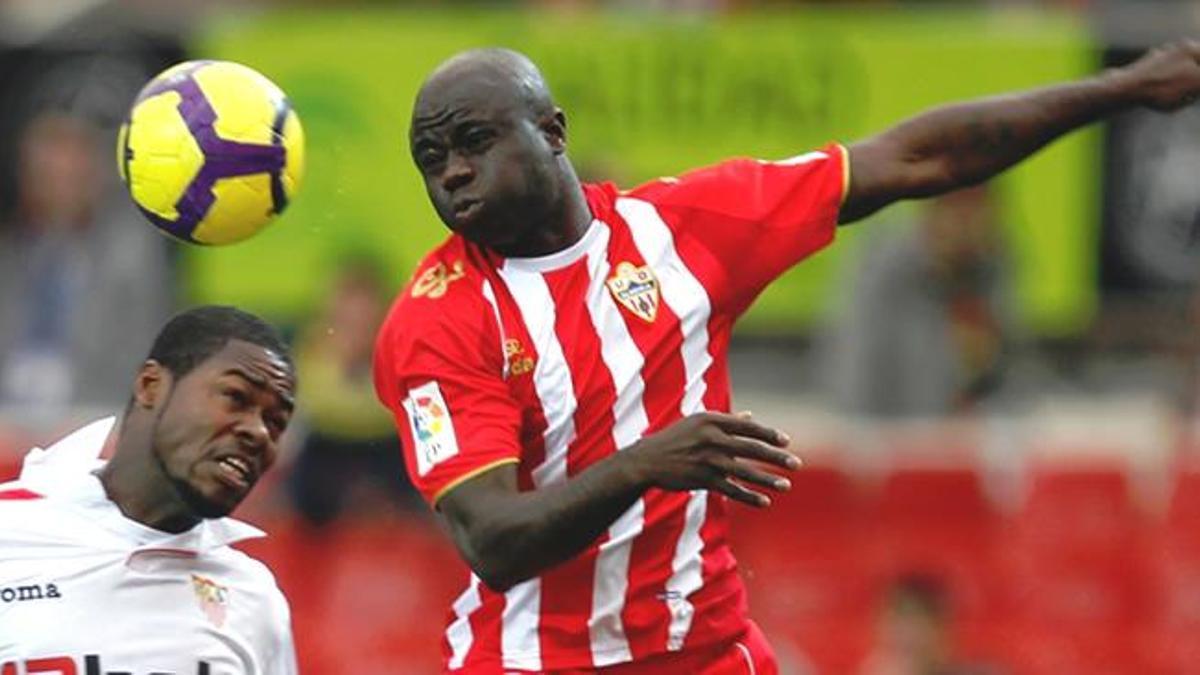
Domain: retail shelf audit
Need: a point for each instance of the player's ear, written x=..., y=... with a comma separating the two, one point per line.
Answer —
x=555, y=129
x=151, y=385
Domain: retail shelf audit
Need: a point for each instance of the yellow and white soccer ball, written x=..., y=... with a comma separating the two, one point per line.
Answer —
x=211, y=151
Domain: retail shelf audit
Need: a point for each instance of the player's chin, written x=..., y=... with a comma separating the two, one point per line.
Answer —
x=215, y=510
x=478, y=226
x=492, y=235
x=214, y=499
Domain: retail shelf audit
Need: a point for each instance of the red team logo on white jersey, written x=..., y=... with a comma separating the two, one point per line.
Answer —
x=212, y=597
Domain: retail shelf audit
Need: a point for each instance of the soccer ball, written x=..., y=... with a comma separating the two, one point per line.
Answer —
x=211, y=151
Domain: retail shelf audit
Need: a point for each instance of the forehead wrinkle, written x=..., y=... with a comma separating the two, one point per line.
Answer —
x=263, y=367
x=281, y=385
x=433, y=119
x=259, y=374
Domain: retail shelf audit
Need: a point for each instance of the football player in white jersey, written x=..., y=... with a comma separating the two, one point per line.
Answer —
x=125, y=566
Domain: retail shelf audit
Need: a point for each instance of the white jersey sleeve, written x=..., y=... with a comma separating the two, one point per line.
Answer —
x=273, y=631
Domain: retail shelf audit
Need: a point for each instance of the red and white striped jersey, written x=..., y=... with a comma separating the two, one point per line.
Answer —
x=556, y=362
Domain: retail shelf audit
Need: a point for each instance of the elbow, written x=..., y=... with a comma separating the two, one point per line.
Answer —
x=497, y=580
x=494, y=559
x=494, y=534
x=495, y=573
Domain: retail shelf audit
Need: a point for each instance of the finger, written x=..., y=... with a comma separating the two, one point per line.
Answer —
x=747, y=473
x=757, y=450
x=740, y=493
x=743, y=425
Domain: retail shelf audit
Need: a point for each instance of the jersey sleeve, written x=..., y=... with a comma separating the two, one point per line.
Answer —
x=439, y=369
x=284, y=662
x=274, y=647
x=282, y=658
x=744, y=222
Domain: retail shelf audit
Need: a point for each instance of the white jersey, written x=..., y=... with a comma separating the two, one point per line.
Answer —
x=86, y=591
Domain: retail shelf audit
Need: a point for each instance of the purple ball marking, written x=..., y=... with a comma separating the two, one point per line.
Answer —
x=175, y=228
x=222, y=158
x=164, y=84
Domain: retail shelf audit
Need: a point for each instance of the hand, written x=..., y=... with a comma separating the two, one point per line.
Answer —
x=710, y=451
x=1168, y=77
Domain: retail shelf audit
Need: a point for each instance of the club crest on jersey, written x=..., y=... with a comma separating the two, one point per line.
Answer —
x=636, y=288
x=434, y=281
x=212, y=597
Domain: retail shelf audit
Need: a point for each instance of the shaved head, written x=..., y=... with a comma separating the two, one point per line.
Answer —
x=491, y=147
x=498, y=72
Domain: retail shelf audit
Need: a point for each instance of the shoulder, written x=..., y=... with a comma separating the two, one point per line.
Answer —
x=17, y=492
x=245, y=567
x=21, y=511
x=731, y=184
x=260, y=605
x=18, y=498
x=671, y=189
x=255, y=580
x=447, y=288
x=448, y=306
x=35, y=527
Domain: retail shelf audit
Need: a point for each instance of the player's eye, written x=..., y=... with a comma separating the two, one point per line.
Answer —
x=428, y=159
x=235, y=396
x=477, y=139
x=277, y=422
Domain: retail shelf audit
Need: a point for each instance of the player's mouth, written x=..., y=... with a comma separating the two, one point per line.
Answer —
x=465, y=210
x=236, y=471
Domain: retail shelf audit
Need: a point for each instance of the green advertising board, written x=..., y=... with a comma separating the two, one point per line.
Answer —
x=648, y=95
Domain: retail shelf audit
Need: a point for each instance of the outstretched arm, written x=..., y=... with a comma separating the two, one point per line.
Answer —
x=966, y=143
x=508, y=536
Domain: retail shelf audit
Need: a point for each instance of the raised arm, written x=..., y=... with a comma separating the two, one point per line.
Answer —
x=508, y=536
x=965, y=143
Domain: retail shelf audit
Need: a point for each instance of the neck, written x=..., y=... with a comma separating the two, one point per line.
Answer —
x=563, y=224
x=137, y=484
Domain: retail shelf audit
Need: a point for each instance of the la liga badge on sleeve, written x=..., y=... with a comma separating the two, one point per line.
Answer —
x=432, y=428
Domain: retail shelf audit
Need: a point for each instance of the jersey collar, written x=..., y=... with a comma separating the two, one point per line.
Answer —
x=558, y=259
x=67, y=471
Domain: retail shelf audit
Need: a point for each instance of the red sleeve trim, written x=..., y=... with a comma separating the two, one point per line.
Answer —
x=19, y=493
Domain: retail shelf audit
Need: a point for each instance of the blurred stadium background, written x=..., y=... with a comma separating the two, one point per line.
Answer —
x=1051, y=486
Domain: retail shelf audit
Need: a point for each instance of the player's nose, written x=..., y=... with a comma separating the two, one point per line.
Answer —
x=252, y=432
x=458, y=172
